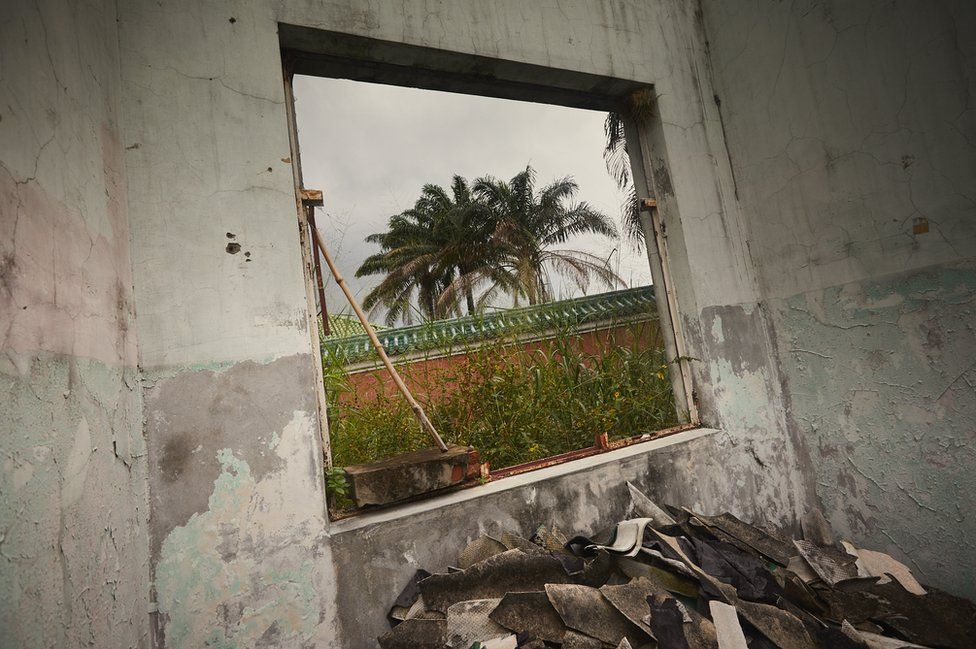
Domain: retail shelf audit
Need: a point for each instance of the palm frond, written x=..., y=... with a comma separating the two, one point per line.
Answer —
x=617, y=159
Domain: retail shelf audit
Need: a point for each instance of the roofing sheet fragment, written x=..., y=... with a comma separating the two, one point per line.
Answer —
x=510, y=571
x=631, y=599
x=584, y=609
x=875, y=641
x=830, y=564
x=677, y=626
x=743, y=571
x=769, y=545
x=415, y=634
x=468, y=622
x=576, y=640
x=531, y=614
x=674, y=582
x=550, y=539
x=728, y=632
x=878, y=564
x=799, y=566
x=506, y=642
x=596, y=572
x=647, y=508
x=627, y=537
x=783, y=629
x=516, y=542
x=407, y=598
x=479, y=550
x=936, y=618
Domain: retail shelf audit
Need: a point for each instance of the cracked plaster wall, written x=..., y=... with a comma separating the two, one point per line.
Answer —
x=807, y=233
x=241, y=552
x=74, y=564
x=845, y=123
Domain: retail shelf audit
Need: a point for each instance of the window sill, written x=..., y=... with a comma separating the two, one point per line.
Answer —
x=517, y=481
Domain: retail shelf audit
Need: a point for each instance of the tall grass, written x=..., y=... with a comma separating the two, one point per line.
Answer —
x=511, y=403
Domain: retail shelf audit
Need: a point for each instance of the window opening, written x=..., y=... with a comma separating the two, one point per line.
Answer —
x=498, y=248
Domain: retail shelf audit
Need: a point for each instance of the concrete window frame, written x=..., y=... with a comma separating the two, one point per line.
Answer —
x=323, y=53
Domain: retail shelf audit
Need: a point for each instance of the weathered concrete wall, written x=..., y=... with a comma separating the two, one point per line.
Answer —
x=661, y=43
x=381, y=553
x=839, y=138
x=238, y=547
x=73, y=509
x=801, y=288
x=241, y=550
x=845, y=123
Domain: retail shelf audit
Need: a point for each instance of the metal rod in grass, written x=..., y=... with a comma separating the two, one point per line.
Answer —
x=418, y=411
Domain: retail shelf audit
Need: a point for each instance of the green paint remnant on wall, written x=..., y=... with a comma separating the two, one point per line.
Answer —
x=151, y=375
x=72, y=494
x=953, y=285
x=189, y=567
x=248, y=561
x=882, y=375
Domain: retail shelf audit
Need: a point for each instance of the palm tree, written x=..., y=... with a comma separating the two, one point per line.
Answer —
x=498, y=236
x=425, y=249
x=639, y=107
x=527, y=225
x=463, y=228
x=617, y=159
x=408, y=259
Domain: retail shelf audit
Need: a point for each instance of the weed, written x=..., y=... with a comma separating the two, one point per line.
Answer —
x=337, y=487
x=512, y=401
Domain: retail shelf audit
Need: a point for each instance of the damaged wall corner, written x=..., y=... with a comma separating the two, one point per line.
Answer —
x=841, y=140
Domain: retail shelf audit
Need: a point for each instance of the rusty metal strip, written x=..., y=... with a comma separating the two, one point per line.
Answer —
x=587, y=452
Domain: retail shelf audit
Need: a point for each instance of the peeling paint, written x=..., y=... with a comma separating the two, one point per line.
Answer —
x=251, y=561
x=884, y=386
x=842, y=140
x=190, y=415
x=835, y=338
x=73, y=516
x=74, y=556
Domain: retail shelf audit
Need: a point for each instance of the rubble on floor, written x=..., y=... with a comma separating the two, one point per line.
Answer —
x=674, y=579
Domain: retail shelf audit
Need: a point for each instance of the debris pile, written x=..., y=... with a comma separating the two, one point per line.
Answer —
x=674, y=579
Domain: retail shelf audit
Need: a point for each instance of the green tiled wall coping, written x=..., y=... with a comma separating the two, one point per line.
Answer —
x=624, y=305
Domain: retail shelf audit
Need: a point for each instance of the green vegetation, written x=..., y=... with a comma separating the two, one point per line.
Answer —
x=457, y=251
x=338, y=487
x=514, y=405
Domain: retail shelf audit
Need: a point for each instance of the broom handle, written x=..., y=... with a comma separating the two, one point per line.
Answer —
x=417, y=409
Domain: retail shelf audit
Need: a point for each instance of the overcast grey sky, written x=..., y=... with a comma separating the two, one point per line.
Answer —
x=372, y=147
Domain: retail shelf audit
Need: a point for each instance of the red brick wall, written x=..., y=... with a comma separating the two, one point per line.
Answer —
x=430, y=378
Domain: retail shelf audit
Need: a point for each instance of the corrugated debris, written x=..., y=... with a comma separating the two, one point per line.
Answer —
x=674, y=579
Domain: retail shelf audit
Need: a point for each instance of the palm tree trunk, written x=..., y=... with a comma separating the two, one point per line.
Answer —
x=536, y=284
x=468, y=292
